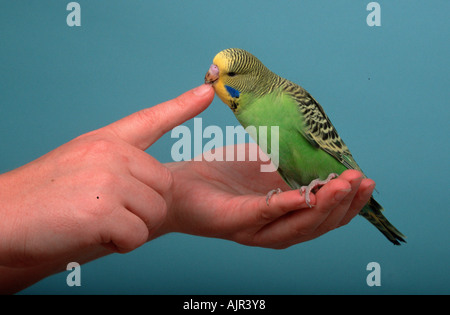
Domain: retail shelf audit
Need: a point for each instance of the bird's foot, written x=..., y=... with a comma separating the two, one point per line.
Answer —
x=271, y=193
x=313, y=186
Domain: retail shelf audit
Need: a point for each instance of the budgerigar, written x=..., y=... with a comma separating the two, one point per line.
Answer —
x=310, y=150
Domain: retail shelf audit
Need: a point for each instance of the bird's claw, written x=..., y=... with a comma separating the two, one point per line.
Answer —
x=270, y=194
x=317, y=183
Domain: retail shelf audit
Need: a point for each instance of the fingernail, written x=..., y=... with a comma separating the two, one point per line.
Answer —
x=341, y=194
x=201, y=90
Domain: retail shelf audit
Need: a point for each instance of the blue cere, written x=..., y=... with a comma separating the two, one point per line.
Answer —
x=233, y=92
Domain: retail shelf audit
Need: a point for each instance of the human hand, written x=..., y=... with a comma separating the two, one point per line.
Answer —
x=228, y=200
x=97, y=194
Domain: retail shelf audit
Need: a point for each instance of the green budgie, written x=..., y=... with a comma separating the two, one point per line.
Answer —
x=310, y=150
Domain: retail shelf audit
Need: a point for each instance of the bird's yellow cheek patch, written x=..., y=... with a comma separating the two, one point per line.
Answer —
x=222, y=92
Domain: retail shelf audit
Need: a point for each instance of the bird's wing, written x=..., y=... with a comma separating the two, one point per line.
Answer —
x=317, y=128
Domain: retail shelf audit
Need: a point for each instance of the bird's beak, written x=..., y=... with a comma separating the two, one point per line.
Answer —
x=212, y=75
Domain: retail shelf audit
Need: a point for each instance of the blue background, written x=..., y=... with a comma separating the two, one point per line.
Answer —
x=385, y=89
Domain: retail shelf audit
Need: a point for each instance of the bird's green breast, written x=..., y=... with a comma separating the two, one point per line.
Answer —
x=299, y=161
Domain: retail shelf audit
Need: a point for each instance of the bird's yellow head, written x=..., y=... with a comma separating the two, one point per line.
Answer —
x=235, y=73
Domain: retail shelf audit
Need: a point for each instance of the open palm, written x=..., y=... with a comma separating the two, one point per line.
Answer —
x=227, y=199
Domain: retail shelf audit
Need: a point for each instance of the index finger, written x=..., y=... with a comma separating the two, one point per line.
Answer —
x=144, y=127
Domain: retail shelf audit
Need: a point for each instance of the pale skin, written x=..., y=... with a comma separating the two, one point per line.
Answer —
x=102, y=193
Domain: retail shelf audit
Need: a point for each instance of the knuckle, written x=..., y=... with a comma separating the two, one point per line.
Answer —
x=166, y=179
x=130, y=242
x=180, y=101
x=265, y=215
x=100, y=147
x=157, y=213
x=92, y=148
x=147, y=117
x=140, y=237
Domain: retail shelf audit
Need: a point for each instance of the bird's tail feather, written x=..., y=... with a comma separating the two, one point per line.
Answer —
x=372, y=212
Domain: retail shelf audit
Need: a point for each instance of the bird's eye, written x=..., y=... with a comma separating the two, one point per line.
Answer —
x=231, y=74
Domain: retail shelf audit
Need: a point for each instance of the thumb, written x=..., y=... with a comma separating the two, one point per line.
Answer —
x=144, y=127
